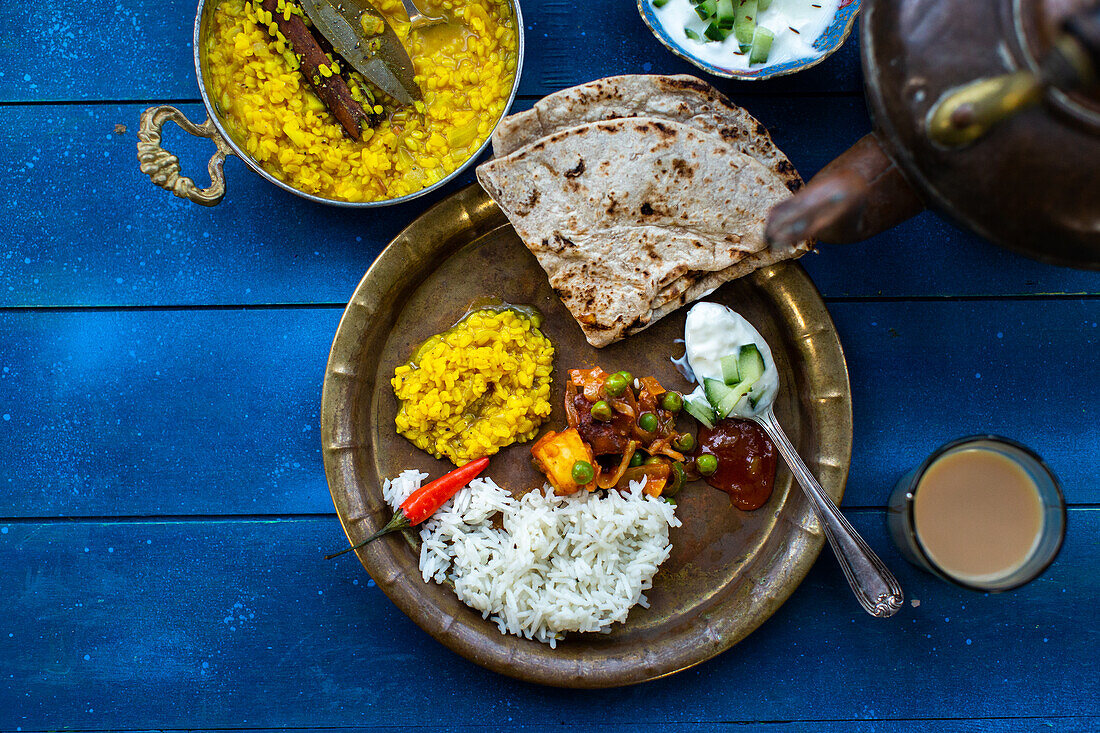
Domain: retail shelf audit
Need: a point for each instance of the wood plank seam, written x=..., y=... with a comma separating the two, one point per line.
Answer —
x=740, y=93
x=304, y=516
x=845, y=299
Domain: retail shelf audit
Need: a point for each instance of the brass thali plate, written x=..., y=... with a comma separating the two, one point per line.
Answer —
x=728, y=571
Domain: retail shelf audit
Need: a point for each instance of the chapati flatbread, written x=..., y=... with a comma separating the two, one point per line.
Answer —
x=681, y=98
x=632, y=218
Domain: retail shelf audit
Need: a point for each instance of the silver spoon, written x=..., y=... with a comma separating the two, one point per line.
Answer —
x=418, y=20
x=710, y=327
x=876, y=588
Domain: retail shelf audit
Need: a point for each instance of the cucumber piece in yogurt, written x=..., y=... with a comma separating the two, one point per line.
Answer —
x=761, y=46
x=745, y=25
x=701, y=411
x=725, y=14
x=750, y=364
x=722, y=398
x=731, y=374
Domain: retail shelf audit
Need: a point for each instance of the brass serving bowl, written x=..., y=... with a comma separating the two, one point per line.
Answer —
x=164, y=168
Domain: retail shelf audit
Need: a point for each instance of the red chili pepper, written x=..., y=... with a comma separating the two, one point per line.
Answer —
x=425, y=501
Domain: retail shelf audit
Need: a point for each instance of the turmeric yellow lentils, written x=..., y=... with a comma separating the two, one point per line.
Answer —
x=477, y=387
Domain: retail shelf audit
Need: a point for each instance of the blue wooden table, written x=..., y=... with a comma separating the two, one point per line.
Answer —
x=164, y=508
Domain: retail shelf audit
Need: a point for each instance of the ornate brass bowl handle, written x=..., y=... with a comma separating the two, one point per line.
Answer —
x=163, y=168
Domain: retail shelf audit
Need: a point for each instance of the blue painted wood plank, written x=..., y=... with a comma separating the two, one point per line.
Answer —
x=163, y=413
x=216, y=411
x=92, y=230
x=240, y=623
x=926, y=725
x=144, y=51
x=923, y=374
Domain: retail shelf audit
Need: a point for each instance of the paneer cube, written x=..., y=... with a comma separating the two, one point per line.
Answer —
x=556, y=453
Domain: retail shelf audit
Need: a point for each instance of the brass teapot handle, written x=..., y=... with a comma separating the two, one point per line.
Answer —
x=163, y=168
x=966, y=113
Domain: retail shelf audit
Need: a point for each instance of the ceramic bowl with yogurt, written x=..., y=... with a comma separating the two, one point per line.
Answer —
x=806, y=33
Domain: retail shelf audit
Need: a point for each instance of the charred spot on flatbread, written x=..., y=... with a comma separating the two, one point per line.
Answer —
x=787, y=170
x=665, y=131
x=575, y=170
x=682, y=168
x=527, y=200
x=684, y=82
x=731, y=134
x=555, y=243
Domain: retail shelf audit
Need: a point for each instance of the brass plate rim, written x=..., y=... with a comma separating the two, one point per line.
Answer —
x=468, y=215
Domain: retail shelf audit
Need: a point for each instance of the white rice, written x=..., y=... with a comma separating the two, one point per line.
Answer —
x=557, y=564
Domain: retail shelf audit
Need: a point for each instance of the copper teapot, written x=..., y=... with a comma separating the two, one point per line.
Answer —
x=987, y=111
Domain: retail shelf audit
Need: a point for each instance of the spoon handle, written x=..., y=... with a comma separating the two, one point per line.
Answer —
x=876, y=588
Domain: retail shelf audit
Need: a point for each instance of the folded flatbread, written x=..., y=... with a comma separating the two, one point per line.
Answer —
x=633, y=217
x=680, y=98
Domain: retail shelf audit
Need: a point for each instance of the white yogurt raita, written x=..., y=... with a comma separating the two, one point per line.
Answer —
x=795, y=23
x=713, y=331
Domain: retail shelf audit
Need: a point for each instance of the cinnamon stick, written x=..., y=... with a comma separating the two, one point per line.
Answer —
x=332, y=90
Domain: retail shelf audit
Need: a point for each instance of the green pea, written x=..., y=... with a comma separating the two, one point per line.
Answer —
x=654, y=461
x=647, y=421
x=685, y=443
x=617, y=383
x=672, y=401
x=637, y=459
x=601, y=411
x=707, y=464
x=583, y=473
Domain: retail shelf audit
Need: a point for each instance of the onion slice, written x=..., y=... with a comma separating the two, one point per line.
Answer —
x=606, y=481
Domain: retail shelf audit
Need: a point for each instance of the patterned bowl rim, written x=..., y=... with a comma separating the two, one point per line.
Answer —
x=846, y=13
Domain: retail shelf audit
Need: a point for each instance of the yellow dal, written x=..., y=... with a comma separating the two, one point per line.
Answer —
x=477, y=387
x=272, y=112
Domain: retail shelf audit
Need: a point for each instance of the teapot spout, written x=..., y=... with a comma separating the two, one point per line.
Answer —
x=856, y=196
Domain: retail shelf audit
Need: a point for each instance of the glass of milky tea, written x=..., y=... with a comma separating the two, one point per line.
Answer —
x=983, y=512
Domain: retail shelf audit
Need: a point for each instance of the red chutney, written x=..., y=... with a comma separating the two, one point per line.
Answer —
x=746, y=461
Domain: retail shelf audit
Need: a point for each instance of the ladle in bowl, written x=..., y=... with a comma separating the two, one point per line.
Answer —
x=417, y=19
